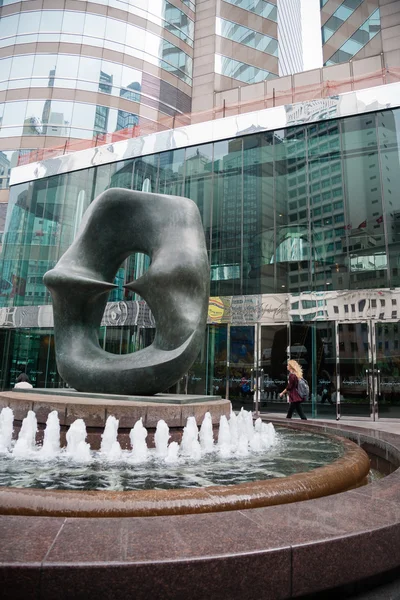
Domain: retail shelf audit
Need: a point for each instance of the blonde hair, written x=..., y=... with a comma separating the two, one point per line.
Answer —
x=296, y=368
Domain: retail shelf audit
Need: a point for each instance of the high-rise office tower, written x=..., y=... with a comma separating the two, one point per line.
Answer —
x=290, y=37
x=77, y=70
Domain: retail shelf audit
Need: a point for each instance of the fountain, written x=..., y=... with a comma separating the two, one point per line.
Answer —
x=116, y=414
x=239, y=452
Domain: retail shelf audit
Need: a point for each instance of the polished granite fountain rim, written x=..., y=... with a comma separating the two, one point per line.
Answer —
x=273, y=552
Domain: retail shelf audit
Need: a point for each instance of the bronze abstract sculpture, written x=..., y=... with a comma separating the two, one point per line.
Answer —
x=118, y=223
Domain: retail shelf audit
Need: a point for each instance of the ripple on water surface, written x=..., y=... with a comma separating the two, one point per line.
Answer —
x=293, y=452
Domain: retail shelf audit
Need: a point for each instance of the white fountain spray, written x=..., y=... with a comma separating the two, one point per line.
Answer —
x=190, y=435
x=243, y=445
x=25, y=444
x=138, y=435
x=172, y=456
x=161, y=438
x=110, y=447
x=115, y=452
x=206, y=434
x=6, y=429
x=195, y=450
x=77, y=448
x=224, y=437
x=234, y=429
x=51, y=440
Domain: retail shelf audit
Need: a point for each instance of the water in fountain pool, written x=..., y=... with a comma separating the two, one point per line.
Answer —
x=243, y=451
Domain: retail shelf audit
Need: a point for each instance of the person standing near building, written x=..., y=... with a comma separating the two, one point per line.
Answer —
x=295, y=400
x=23, y=382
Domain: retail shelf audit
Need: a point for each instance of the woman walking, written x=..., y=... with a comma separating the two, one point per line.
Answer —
x=295, y=400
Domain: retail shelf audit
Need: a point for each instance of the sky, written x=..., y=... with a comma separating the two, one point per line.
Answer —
x=312, y=51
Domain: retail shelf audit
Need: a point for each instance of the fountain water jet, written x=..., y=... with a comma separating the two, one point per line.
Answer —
x=26, y=441
x=77, y=448
x=51, y=440
x=161, y=438
x=172, y=456
x=138, y=437
x=109, y=437
x=206, y=434
x=190, y=435
x=6, y=429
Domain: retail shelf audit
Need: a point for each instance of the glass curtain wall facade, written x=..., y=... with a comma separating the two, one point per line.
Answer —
x=302, y=227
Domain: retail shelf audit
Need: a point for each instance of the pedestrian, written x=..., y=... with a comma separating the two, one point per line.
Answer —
x=294, y=398
x=23, y=382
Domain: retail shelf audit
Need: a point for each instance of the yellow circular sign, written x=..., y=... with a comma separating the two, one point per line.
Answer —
x=216, y=309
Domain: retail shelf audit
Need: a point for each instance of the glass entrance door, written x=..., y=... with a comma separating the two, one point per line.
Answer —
x=356, y=371
x=387, y=369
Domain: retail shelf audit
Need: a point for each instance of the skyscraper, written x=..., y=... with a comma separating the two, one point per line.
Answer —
x=289, y=35
x=84, y=69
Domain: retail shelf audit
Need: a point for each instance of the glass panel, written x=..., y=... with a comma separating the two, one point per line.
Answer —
x=44, y=65
x=29, y=353
x=78, y=195
x=327, y=192
x=83, y=120
x=388, y=363
x=196, y=378
x=226, y=259
x=258, y=214
x=354, y=359
x=95, y=26
x=51, y=20
x=241, y=367
x=115, y=30
x=73, y=22
x=358, y=40
x=8, y=28
x=272, y=361
x=6, y=343
x=58, y=115
x=122, y=177
x=365, y=236
x=389, y=151
x=145, y=173
x=21, y=68
x=239, y=70
x=13, y=118
x=244, y=35
x=171, y=172
x=198, y=183
x=313, y=346
x=113, y=341
x=144, y=179
x=344, y=11
x=67, y=66
x=217, y=364
x=292, y=251
x=259, y=7
x=5, y=68
x=178, y=23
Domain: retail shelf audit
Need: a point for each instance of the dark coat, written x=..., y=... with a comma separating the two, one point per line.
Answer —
x=291, y=388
